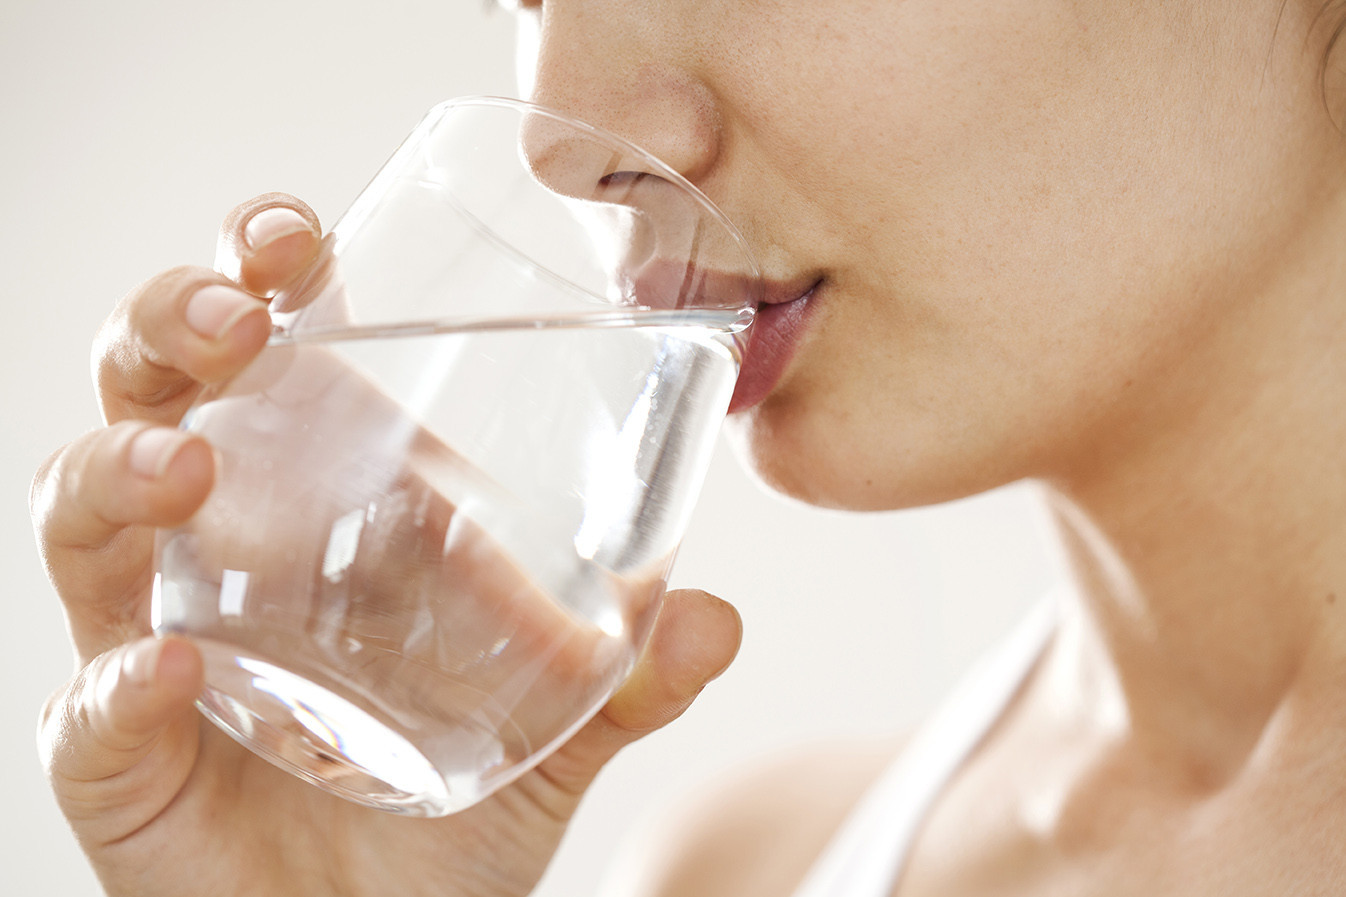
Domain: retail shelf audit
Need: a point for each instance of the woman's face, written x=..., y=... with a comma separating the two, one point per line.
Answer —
x=1023, y=222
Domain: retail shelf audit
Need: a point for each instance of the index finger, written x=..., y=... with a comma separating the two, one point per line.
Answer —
x=266, y=242
x=191, y=325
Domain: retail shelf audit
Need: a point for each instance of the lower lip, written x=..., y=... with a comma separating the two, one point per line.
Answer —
x=772, y=340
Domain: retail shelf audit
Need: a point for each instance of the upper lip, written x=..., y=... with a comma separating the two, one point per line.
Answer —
x=661, y=284
x=777, y=292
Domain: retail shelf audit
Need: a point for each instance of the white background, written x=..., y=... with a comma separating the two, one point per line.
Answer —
x=128, y=129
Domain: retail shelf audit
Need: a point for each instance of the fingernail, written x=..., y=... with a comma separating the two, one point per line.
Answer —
x=140, y=662
x=270, y=225
x=153, y=450
x=213, y=310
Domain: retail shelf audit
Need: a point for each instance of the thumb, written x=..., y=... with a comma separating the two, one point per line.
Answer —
x=695, y=638
x=120, y=739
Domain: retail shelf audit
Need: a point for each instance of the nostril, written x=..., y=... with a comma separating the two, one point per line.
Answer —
x=624, y=179
x=658, y=241
x=566, y=160
x=575, y=166
x=637, y=189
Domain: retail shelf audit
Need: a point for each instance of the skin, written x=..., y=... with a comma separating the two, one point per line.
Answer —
x=1092, y=244
x=1105, y=274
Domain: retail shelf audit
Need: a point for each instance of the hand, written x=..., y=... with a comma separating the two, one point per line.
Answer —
x=162, y=802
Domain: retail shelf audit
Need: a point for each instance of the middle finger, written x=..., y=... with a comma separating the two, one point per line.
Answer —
x=94, y=506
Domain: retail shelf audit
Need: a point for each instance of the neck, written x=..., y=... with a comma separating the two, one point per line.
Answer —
x=1210, y=558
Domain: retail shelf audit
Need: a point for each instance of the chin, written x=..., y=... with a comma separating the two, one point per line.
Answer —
x=817, y=465
x=844, y=462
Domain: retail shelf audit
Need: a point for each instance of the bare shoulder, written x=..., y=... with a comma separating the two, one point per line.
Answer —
x=757, y=832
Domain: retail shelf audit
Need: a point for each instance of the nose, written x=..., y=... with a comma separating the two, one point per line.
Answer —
x=630, y=69
x=621, y=66
x=661, y=244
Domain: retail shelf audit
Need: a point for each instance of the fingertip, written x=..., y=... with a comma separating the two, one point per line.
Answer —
x=694, y=640
x=267, y=242
x=732, y=634
x=227, y=327
x=150, y=452
x=699, y=633
x=269, y=268
x=179, y=669
x=271, y=227
x=215, y=310
x=156, y=453
x=249, y=333
x=177, y=470
x=194, y=461
x=115, y=713
x=185, y=483
x=157, y=679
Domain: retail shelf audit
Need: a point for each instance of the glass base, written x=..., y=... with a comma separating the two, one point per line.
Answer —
x=322, y=737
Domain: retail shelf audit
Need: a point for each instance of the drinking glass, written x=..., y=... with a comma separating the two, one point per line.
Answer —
x=450, y=488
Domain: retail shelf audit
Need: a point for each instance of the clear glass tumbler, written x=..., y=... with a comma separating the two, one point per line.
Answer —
x=450, y=488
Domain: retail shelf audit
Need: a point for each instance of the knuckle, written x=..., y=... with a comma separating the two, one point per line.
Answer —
x=59, y=722
x=55, y=484
x=53, y=705
x=124, y=327
x=48, y=736
x=163, y=294
x=133, y=353
x=111, y=359
x=72, y=486
x=42, y=487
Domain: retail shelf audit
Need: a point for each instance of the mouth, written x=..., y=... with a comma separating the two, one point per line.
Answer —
x=773, y=337
x=668, y=285
x=782, y=311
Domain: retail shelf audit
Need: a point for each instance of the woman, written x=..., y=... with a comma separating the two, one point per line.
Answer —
x=1088, y=243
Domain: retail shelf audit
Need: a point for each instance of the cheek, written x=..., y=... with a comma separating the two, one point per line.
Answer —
x=873, y=420
x=993, y=364
x=1028, y=244
x=878, y=413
